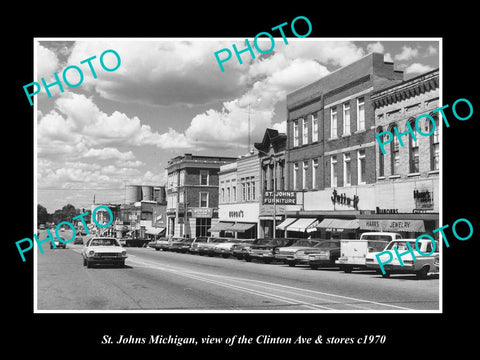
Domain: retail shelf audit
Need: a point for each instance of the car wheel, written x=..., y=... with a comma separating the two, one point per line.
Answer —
x=248, y=258
x=422, y=273
x=313, y=266
x=386, y=275
x=158, y=249
x=291, y=263
x=84, y=262
x=347, y=269
x=89, y=264
x=121, y=264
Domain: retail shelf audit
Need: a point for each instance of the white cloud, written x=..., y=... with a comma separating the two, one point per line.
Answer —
x=417, y=68
x=375, y=47
x=387, y=57
x=108, y=153
x=47, y=63
x=432, y=50
x=407, y=53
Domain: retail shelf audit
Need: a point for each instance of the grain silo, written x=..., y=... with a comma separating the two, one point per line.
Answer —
x=147, y=192
x=133, y=193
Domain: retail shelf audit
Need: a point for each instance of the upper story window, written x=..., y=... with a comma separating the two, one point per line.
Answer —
x=333, y=122
x=361, y=113
x=295, y=133
x=305, y=132
x=204, y=177
x=346, y=119
x=314, y=127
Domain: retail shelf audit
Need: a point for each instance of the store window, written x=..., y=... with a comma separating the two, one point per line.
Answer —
x=202, y=225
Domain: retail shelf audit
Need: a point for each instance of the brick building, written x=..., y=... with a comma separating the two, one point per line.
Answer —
x=331, y=143
x=407, y=188
x=192, y=194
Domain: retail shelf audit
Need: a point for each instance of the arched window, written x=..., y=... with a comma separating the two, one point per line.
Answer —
x=394, y=152
x=413, y=159
x=381, y=156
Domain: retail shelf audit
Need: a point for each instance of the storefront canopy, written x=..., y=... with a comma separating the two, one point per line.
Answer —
x=392, y=225
x=303, y=224
x=345, y=224
x=221, y=226
x=242, y=227
x=285, y=223
x=154, y=231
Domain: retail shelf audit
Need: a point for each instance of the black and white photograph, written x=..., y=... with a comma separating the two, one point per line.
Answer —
x=255, y=183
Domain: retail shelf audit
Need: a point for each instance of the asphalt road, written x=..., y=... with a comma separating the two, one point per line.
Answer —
x=156, y=280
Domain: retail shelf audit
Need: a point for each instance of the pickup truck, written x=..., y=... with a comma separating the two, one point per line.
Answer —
x=353, y=252
x=421, y=267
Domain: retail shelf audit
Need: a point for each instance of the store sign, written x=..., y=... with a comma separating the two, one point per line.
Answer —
x=386, y=211
x=281, y=197
x=392, y=225
x=423, y=199
x=201, y=212
x=235, y=214
x=342, y=199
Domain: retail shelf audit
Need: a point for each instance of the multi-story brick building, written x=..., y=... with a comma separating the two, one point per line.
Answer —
x=331, y=142
x=192, y=194
x=407, y=189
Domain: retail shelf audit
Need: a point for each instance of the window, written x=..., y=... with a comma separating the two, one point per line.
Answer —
x=201, y=226
x=295, y=133
x=203, y=177
x=314, y=127
x=203, y=199
x=361, y=167
x=381, y=156
x=305, y=131
x=253, y=189
x=228, y=195
x=181, y=197
x=244, y=194
x=272, y=177
x=347, y=170
x=304, y=174
x=346, y=119
x=282, y=177
x=333, y=171
x=314, y=173
x=248, y=190
x=413, y=145
x=182, y=177
x=295, y=175
x=395, y=154
x=234, y=191
x=333, y=122
x=360, y=114
x=222, y=194
x=435, y=146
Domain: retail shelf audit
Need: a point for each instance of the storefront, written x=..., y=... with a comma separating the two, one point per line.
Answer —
x=238, y=220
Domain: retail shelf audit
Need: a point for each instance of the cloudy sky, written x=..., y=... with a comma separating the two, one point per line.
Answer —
x=168, y=97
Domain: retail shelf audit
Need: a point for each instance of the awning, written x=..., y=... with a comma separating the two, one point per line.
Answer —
x=350, y=224
x=221, y=226
x=154, y=231
x=285, y=223
x=392, y=225
x=303, y=224
x=242, y=227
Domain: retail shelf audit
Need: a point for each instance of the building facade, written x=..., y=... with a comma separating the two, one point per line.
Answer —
x=331, y=146
x=192, y=194
x=239, y=195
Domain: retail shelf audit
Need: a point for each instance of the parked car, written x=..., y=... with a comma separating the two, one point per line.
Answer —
x=78, y=240
x=322, y=254
x=239, y=250
x=206, y=248
x=225, y=249
x=182, y=245
x=353, y=252
x=162, y=244
x=199, y=240
x=421, y=267
x=265, y=249
x=171, y=241
x=286, y=254
x=103, y=250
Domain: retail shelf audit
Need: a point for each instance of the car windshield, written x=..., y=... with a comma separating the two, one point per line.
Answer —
x=104, y=242
x=305, y=243
x=262, y=241
x=400, y=245
x=376, y=237
x=328, y=244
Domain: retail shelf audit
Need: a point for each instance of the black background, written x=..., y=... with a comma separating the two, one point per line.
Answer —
x=411, y=335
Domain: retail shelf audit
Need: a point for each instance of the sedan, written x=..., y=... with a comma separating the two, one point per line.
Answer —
x=103, y=250
x=322, y=254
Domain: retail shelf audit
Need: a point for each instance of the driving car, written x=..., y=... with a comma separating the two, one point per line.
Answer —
x=286, y=254
x=58, y=244
x=265, y=249
x=78, y=240
x=103, y=250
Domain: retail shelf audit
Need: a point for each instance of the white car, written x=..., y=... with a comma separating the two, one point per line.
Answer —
x=103, y=250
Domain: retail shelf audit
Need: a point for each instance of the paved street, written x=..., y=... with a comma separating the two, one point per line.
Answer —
x=156, y=280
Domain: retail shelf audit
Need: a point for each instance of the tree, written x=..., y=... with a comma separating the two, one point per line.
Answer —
x=42, y=214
